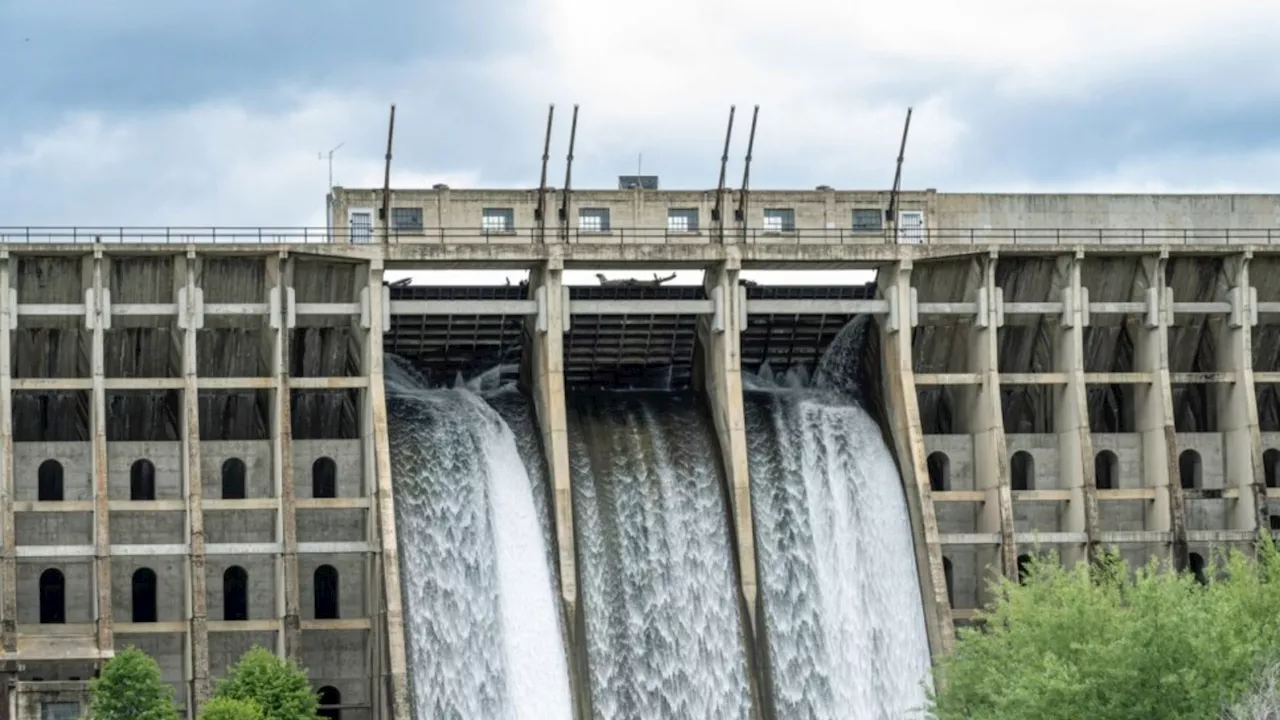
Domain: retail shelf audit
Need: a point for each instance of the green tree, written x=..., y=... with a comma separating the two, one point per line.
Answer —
x=1107, y=643
x=129, y=688
x=278, y=687
x=226, y=708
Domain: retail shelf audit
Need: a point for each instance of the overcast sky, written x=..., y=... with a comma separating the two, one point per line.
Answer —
x=155, y=113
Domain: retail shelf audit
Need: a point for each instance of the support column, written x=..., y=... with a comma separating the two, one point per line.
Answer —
x=279, y=280
x=1071, y=421
x=1154, y=411
x=986, y=419
x=9, y=575
x=98, y=317
x=903, y=408
x=719, y=339
x=1237, y=403
x=378, y=473
x=190, y=319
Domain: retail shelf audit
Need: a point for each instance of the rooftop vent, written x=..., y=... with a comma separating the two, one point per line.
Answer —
x=823, y=188
x=631, y=182
x=439, y=186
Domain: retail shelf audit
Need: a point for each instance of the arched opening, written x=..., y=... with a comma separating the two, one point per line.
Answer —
x=1197, y=568
x=142, y=480
x=1105, y=470
x=1024, y=566
x=326, y=589
x=949, y=573
x=233, y=473
x=330, y=699
x=49, y=478
x=1022, y=471
x=53, y=597
x=1189, y=469
x=235, y=594
x=324, y=478
x=144, y=595
x=1271, y=466
x=939, y=471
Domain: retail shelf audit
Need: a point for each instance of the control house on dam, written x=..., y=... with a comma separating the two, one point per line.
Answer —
x=215, y=439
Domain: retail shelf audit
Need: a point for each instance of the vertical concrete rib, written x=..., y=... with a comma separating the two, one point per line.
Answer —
x=1237, y=402
x=903, y=409
x=986, y=419
x=9, y=575
x=190, y=320
x=97, y=315
x=375, y=414
x=1075, y=442
x=279, y=277
x=1154, y=412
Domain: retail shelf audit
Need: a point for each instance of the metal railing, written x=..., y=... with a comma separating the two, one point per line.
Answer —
x=643, y=236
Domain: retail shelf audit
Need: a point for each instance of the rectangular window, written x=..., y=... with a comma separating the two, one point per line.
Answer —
x=682, y=220
x=361, y=226
x=868, y=220
x=593, y=220
x=498, y=220
x=406, y=218
x=780, y=220
x=59, y=710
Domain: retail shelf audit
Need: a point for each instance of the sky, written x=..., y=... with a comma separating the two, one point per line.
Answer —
x=196, y=114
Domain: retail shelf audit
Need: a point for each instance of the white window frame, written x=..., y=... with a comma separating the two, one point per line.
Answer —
x=913, y=235
x=507, y=215
x=597, y=220
x=352, y=237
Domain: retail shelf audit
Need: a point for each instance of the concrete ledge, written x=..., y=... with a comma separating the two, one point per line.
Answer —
x=1051, y=538
x=969, y=538
x=363, y=623
x=236, y=383
x=1221, y=536
x=214, y=504
x=1127, y=494
x=342, y=503
x=243, y=549
x=151, y=628
x=1040, y=495
x=925, y=379
x=334, y=548
x=1135, y=536
x=63, y=506
x=959, y=496
x=327, y=383
x=226, y=626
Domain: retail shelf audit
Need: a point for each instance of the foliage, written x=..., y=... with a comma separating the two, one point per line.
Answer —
x=129, y=688
x=1105, y=643
x=280, y=688
x=226, y=708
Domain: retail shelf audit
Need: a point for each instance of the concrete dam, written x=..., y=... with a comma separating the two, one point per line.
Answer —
x=738, y=498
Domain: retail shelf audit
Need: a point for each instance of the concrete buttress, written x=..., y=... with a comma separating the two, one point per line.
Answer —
x=1075, y=441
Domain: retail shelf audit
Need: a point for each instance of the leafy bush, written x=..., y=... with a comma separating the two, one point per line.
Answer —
x=225, y=708
x=278, y=687
x=1104, y=643
x=129, y=688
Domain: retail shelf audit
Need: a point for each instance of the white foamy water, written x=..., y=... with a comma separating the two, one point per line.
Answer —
x=481, y=612
x=843, y=615
x=663, y=627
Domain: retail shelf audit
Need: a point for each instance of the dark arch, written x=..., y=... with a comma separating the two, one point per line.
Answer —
x=50, y=481
x=53, y=597
x=235, y=594
x=1197, y=568
x=1024, y=566
x=949, y=573
x=326, y=591
x=1022, y=471
x=144, y=595
x=142, y=480
x=1271, y=467
x=324, y=478
x=1189, y=469
x=1105, y=470
x=939, y=471
x=330, y=699
x=233, y=473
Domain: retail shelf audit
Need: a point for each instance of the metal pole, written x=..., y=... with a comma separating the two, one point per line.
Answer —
x=328, y=197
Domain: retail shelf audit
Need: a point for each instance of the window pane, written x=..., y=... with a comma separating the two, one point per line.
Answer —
x=406, y=218
x=498, y=220
x=779, y=220
x=593, y=220
x=682, y=220
x=868, y=220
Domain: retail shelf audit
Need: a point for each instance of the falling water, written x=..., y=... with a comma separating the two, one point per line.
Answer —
x=843, y=617
x=481, y=611
x=663, y=626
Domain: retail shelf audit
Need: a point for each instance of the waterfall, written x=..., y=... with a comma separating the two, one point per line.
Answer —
x=663, y=625
x=482, y=617
x=843, y=615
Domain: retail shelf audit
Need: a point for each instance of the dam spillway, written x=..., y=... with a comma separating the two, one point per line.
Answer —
x=213, y=411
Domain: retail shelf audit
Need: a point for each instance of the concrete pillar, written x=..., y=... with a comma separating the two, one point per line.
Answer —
x=985, y=420
x=721, y=367
x=97, y=317
x=377, y=466
x=279, y=281
x=903, y=409
x=190, y=319
x=1154, y=410
x=9, y=573
x=1071, y=421
x=1237, y=403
